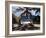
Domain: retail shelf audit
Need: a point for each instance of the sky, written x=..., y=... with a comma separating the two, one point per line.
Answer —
x=19, y=12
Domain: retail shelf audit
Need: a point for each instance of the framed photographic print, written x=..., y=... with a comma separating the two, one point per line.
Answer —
x=24, y=18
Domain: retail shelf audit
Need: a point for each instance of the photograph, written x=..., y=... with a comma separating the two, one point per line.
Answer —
x=25, y=18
